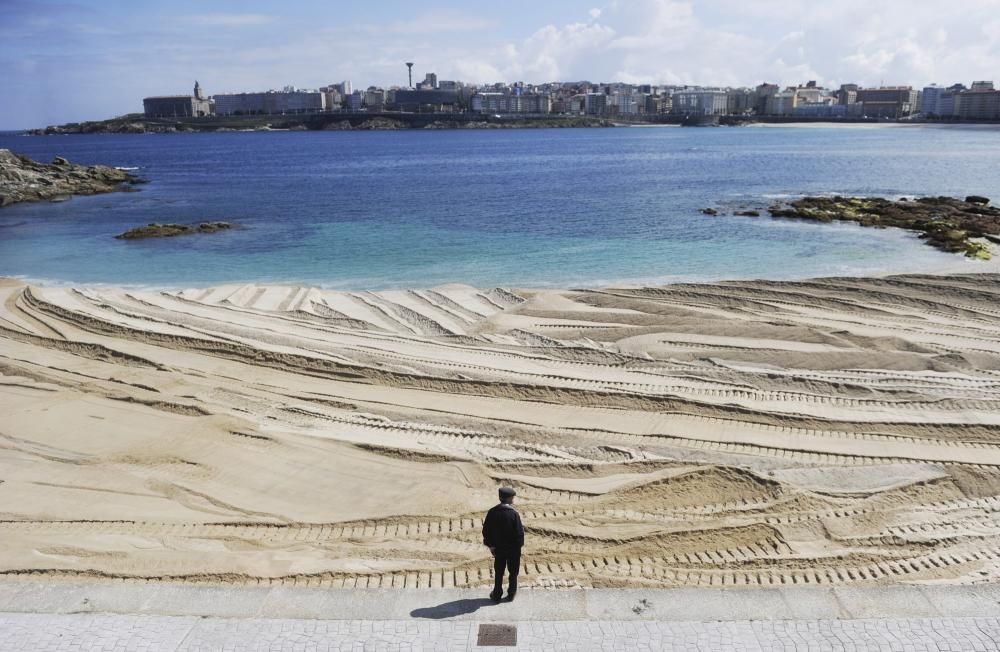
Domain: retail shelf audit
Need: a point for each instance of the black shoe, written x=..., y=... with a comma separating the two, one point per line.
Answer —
x=495, y=596
x=510, y=596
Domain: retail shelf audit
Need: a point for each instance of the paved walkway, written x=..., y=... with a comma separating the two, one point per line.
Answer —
x=113, y=616
x=106, y=632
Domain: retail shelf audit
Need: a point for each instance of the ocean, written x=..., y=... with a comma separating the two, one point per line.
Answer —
x=523, y=208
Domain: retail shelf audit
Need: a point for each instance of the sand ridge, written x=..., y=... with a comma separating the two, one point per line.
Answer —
x=831, y=431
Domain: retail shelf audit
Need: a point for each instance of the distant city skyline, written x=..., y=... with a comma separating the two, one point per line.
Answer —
x=88, y=60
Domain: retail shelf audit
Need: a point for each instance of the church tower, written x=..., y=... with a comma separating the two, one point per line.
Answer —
x=197, y=90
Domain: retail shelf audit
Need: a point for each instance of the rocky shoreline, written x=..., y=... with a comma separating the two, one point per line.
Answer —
x=946, y=223
x=24, y=180
x=139, y=124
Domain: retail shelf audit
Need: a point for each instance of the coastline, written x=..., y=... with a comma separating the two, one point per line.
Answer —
x=985, y=126
x=960, y=266
x=734, y=433
x=138, y=124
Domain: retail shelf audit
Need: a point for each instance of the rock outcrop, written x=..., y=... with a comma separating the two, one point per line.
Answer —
x=22, y=179
x=947, y=223
x=136, y=123
x=343, y=125
x=380, y=124
x=154, y=230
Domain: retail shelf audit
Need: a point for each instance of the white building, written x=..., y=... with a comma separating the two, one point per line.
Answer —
x=374, y=99
x=488, y=102
x=332, y=97
x=577, y=104
x=701, y=102
x=781, y=103
x=501, y=102
x=270, y=102
x=625, y=104
x=808, y=94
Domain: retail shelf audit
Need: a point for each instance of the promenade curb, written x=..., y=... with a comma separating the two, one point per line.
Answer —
x=668, y=605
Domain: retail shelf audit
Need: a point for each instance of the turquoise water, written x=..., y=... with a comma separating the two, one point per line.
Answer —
x=574, y=207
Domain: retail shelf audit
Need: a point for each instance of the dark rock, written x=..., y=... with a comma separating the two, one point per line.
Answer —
x=212, y=227
x=709, y=211
x=977, y=199
x=380, y=124
x=946, y=223
x=22, y=179
x=155, y=230
x=342, y=125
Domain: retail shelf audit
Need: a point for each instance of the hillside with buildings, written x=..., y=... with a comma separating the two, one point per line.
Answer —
x=980, y=101
x=583, y=103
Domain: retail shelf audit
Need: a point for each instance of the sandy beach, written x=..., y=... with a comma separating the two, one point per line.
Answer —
x=835, y=431
x=988, y=126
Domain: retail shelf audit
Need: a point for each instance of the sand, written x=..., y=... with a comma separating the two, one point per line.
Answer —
x=828, y=432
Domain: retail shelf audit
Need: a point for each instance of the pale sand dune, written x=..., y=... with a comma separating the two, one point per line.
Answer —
x=832, y=431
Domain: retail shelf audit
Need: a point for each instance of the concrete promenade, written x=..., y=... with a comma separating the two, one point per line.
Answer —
x=138, y=616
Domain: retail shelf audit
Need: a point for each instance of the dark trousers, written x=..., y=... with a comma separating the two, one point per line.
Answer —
x=509, y=558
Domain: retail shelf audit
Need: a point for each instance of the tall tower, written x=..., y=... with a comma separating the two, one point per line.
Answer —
x=197, y=90
x=409, y=72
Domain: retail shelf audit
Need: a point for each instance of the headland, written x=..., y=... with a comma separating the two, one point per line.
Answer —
x=137, y=123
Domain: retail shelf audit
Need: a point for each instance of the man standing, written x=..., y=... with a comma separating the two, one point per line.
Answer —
x=503, y=534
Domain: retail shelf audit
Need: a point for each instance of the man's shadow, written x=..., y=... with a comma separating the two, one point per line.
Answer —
x=453, y=608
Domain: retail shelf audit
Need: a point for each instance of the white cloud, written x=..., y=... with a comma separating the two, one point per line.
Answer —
x=550, y=53
x=734, y=42
x=434, y=22
x=229, y=20
x=469, y=69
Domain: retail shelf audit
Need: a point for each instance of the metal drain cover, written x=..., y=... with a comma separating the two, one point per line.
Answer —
x=497, y=636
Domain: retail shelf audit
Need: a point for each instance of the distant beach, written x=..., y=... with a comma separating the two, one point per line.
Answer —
x=879, y=125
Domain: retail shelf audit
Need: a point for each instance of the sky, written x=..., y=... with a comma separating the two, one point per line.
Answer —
x=94, y=59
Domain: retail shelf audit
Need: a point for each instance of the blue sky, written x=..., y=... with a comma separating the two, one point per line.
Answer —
x=93, y=59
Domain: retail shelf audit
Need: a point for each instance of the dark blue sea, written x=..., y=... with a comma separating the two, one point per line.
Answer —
x=560, y=207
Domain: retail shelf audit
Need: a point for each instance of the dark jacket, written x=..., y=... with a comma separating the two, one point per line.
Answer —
x=502, y=527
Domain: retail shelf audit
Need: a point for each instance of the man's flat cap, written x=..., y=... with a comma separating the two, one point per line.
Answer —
x=507, y=492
